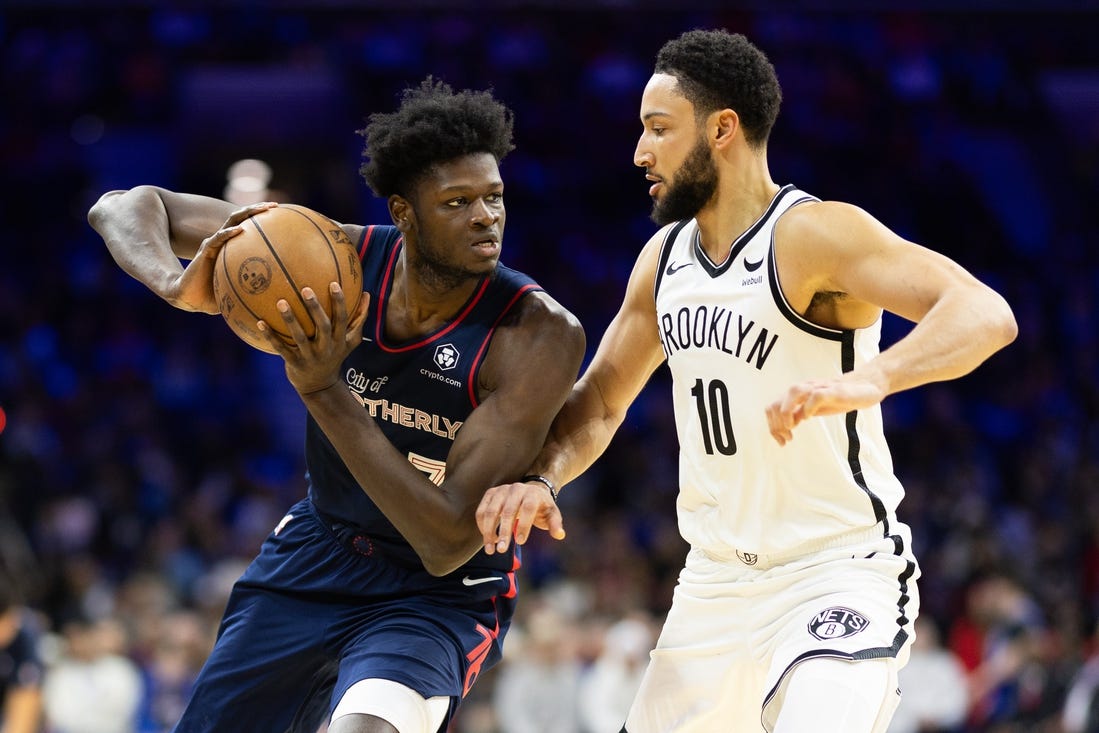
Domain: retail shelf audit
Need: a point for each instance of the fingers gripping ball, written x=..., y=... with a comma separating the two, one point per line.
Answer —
x=280, y=251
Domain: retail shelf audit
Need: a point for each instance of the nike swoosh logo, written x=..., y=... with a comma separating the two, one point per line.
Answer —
x=672, y=269
x=752, y=266
x=477, y=581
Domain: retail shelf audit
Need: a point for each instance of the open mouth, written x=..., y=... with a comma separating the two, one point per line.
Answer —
x=487, y=246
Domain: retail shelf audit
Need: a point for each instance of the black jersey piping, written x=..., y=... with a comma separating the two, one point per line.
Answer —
x=666, y=253
x=741, y=241
x=854, y=445
x=784, y=307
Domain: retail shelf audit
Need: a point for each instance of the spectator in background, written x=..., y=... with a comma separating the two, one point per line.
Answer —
x=537, y=687
x=93, y=687
x=609, y=685
x=20, y=664
x=998, y=640
x=934, y=697
x=1081, y=709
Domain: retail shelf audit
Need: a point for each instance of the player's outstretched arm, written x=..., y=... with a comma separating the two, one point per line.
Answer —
x=628, y=354
x=148, y=230
x=861, y=267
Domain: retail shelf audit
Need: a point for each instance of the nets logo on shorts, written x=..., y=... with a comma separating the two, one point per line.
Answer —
x=837, y=623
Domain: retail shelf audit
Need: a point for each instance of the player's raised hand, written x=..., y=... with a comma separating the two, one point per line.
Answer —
x=512, y=510
x=313, y=363
x=820, y=397
x=194, y=288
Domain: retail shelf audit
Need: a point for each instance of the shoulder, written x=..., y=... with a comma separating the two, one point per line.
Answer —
x=538, y=344
x=642, y=282
x=814, y=224
x=539, y=316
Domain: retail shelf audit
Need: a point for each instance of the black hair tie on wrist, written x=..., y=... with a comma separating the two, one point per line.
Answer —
x=542, y=480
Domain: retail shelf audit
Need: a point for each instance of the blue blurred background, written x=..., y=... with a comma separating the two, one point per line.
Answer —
x=146, y=452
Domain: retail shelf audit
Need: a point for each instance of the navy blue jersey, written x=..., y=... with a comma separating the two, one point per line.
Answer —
x=419, y=392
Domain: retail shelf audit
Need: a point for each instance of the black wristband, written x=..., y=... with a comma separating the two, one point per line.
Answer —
x=542, y=480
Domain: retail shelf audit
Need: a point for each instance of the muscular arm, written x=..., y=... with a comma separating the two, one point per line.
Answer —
x=628, y=354
x=148, y=230
x=531, y=365
x=860, y=268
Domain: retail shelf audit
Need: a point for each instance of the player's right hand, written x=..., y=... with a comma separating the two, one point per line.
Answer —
x=511, y=510
x=193, y=290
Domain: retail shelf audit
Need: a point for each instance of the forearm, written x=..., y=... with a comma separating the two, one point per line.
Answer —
x=433, y=520
x=580, y=433
x=954, y=338
x=135, y=227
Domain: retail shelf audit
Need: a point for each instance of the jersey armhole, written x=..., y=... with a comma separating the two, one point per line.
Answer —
x=665, y=254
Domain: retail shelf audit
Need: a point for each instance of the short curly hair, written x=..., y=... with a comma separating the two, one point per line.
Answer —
x=718, y=70
x=432, y=125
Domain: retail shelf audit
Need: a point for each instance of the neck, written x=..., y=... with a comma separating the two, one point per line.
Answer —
x=744, y=192
x=423, y=299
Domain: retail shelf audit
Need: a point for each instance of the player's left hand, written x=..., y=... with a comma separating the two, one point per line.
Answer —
x=820, y=397
x=512, y=509
x=313, y=364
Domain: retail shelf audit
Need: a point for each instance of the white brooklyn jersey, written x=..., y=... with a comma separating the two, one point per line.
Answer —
x=734, y=345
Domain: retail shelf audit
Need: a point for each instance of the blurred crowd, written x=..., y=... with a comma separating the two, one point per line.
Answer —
x=145, y=453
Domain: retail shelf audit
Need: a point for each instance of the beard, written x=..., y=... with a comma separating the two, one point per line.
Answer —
x=694, y=185
x=435, y=268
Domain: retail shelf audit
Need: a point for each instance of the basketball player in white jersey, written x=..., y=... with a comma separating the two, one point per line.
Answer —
x=795, y=607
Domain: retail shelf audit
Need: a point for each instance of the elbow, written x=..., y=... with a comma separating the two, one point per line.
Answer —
x=100, y=209
x=440, y=564
x=1004, y=324
x=444, y=557
x=110, y=201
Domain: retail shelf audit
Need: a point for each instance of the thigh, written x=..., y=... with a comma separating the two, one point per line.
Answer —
x=852, y=607
x=837, y=696
x=271, y=653
x=266, y=661
x=434, y=651
x=701, y=676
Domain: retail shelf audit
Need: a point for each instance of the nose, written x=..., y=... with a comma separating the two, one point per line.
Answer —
x=483, y=214
x=642, y=157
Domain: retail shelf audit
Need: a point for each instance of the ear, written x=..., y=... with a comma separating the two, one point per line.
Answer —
x=724, y=125
x=400, y=211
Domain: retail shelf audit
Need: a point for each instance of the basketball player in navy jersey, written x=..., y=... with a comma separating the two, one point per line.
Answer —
x=794, y=609
x=371, y=604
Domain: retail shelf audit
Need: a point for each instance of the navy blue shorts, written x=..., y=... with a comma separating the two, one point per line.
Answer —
x=323, y=607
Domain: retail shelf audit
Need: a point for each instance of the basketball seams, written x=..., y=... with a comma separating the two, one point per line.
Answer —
x=286, y=244
x=240, y=301
x=278, y=260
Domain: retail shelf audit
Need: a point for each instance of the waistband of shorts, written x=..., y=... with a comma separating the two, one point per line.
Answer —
x=360, y=541
x=767, y=560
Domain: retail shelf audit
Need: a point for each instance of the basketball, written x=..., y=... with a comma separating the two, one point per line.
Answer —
x=280, y=251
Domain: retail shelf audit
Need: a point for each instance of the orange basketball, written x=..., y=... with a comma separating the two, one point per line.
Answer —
x=280, y=251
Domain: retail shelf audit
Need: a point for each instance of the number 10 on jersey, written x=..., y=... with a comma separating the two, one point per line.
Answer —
x=714, y=416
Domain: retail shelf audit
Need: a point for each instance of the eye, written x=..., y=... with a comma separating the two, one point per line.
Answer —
x=494, y=198
x=456, y=202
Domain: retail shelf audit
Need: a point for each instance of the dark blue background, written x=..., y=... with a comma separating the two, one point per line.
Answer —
x=141, y=439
